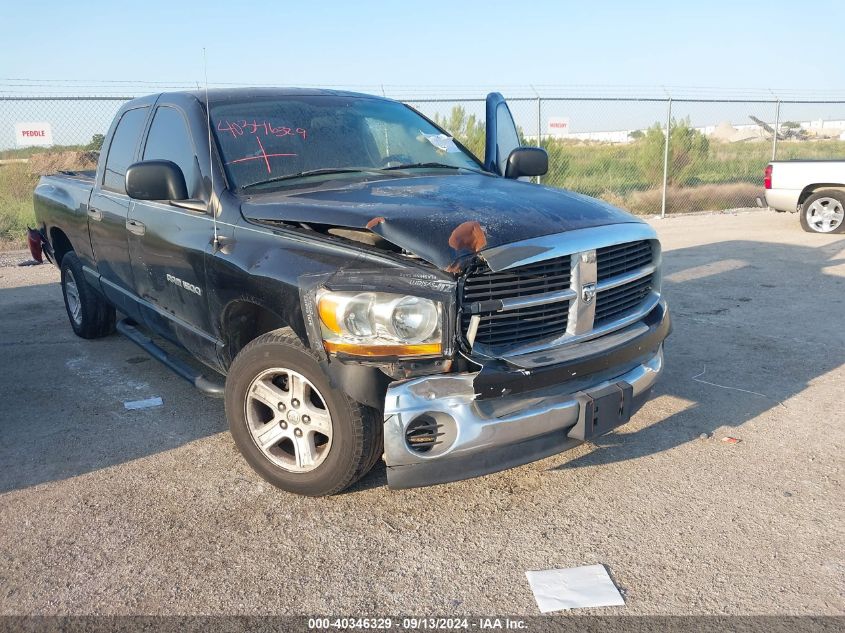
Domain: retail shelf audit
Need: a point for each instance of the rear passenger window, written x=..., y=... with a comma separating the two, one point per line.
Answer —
x=122, y=149
x=169, y=140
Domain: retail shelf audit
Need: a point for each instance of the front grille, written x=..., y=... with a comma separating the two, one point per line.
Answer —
x=612, y=304
x=533, y=279
x=512, y=328
x=524, y=324
x=622, y=258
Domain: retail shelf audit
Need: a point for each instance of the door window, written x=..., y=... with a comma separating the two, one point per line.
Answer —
x=506, y=136
x=122, y=149
x=169, y=140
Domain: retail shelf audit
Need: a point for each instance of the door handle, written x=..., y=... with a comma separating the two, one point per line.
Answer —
x=135, y=227
x=95, y=214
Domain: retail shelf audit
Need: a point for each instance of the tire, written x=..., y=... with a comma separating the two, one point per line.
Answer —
x=286, y=443
x=90, y=315
x=824, y=212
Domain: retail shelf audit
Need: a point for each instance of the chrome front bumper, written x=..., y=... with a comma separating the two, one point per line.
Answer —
x=481, y=436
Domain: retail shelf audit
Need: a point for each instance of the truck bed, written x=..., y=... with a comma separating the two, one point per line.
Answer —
x=61, y=200
x=792, y=181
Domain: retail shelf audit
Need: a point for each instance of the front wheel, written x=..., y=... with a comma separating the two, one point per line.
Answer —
x=824, y=212
x=291, y=425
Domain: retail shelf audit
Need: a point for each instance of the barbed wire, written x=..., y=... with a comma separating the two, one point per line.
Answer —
x=12, y=86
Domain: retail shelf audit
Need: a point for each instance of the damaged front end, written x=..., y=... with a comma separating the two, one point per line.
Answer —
x=543, y=344
x=439, y=429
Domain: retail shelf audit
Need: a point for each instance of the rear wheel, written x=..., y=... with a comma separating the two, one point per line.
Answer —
x=291, y=425
x=824, y=212
x=89, y=314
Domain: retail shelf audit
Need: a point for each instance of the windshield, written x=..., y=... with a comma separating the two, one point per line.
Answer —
x=263, y=140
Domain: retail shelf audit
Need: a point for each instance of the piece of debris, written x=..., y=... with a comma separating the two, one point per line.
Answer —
x=731, y=440
x=574, y=588
x=143, y=404
x=443, y=143
x=704, y=436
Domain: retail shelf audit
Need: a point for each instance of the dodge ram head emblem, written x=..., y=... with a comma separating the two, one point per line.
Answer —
x=588, y=293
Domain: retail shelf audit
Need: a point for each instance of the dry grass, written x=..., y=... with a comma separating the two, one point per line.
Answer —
x=17, y=182
x=684, y=199
x=50, y=163
x=16, y=187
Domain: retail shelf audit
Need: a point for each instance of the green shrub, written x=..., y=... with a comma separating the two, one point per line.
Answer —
x=466, y=128
x=688, y=149
x=96, y=143
x=16, y=187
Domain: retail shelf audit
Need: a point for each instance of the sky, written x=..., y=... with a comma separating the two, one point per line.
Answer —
x=412, y=50
x=452, y=46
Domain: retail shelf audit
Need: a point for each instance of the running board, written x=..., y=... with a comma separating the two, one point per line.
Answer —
x=208, y=387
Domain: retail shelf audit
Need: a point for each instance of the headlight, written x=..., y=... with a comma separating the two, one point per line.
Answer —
x=380, y=324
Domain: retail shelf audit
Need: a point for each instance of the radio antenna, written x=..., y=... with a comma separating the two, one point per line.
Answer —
x=216, y=241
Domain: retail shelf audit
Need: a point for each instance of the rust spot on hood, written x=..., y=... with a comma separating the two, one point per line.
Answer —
x=468, y=236
x=375, y=222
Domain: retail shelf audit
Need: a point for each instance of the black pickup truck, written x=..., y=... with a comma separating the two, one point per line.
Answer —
x=367, y=286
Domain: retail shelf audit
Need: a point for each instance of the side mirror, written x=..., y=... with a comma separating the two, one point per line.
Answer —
x=527, y=161
x=156, y=180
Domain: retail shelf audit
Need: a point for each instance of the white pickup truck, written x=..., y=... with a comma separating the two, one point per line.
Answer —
x=813, y=188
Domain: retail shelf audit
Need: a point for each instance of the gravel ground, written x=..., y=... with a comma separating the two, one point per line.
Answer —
x=14, y=258
x=104, y=511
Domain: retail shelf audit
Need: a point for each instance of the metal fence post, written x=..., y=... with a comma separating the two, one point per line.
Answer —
x=666, y=157
x=539, y=126
x=777, y=129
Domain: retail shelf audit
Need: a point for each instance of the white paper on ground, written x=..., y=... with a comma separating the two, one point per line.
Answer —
x=143, y=404
x=574, y=588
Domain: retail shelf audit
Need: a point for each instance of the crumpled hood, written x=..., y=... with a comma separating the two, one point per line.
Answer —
x=443, y=219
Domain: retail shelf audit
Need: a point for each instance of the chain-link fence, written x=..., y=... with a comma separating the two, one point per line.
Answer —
x=614, y=148
x=77, y=126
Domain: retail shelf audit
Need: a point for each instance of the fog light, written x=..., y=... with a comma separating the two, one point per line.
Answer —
x=422, y=434
x=431, y=433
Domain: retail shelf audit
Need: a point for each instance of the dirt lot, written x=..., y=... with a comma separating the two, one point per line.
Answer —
x=153, y=511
